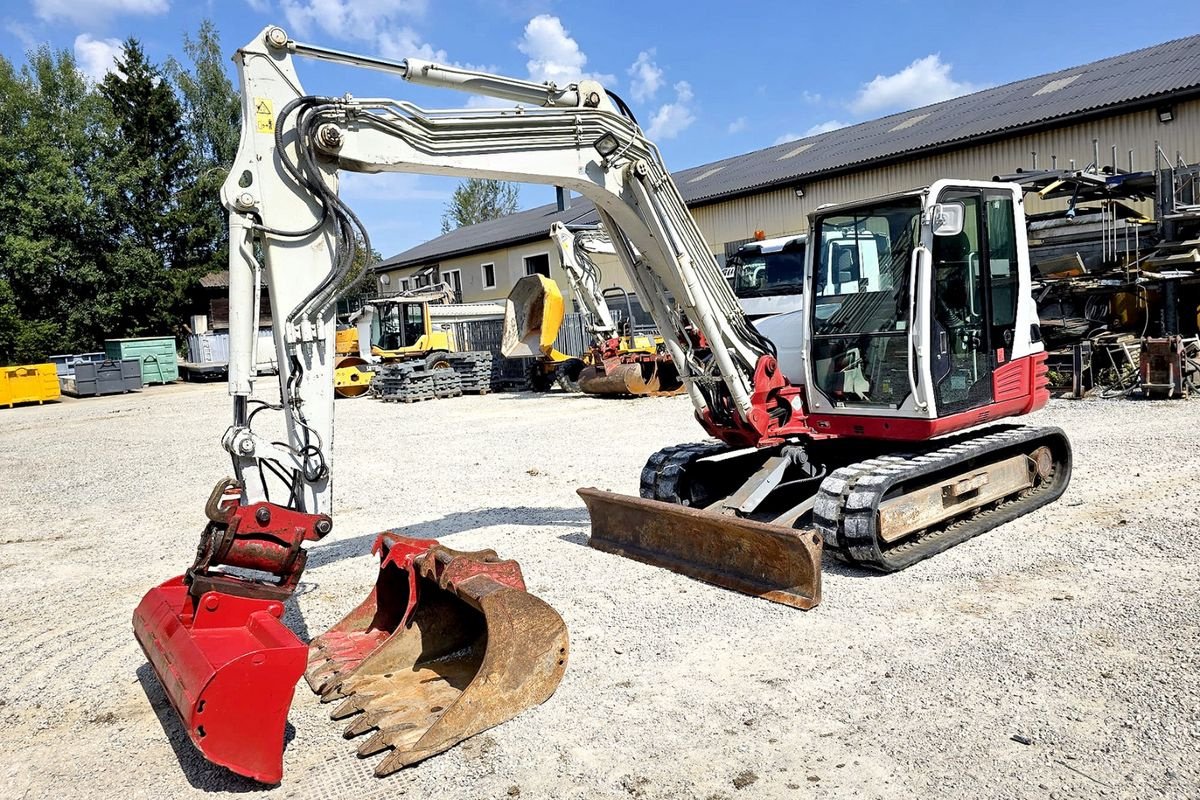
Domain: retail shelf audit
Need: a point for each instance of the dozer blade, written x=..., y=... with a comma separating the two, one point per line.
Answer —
x=448, y=644
x=768, y=561
x=229, y=667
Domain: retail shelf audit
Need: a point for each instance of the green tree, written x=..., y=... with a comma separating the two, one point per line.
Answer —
x=478, y=200
x=211, y=125
x=50, y=128
x=145, y=271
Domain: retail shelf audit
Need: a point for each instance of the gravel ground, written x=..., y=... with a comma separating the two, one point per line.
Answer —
x=1074, y=629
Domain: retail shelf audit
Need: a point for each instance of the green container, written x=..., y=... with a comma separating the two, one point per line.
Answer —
x=157, y=355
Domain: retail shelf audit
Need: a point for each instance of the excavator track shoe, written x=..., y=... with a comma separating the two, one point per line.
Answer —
x=767, y=561
x=890, y=512
x=229, y=667
x=448, y=644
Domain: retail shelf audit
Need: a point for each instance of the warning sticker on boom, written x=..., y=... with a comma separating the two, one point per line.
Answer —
x=264, y=115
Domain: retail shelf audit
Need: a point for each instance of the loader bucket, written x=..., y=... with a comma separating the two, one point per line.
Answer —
x=779, y=564
x=448, y=644
x=229, y=667
x=533, y=314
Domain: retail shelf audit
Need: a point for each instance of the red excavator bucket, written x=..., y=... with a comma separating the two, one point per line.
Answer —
x=229, y=666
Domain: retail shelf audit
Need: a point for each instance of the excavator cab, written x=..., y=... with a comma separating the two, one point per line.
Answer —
x=922, y=312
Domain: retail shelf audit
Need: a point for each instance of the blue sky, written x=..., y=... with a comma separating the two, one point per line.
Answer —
x=707, y=80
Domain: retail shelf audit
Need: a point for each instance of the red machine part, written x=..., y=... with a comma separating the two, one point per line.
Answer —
x=229, y=667
x=778, y=410
x=216, y=641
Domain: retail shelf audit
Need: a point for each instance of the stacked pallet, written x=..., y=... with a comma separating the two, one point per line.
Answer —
x=413, y=382
x=474, y=370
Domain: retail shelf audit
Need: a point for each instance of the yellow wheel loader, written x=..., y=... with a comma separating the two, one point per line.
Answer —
x=386, y=331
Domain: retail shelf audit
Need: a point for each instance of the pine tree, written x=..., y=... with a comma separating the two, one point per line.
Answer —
x=145, y=271
x=211, y=123
x=478, y=200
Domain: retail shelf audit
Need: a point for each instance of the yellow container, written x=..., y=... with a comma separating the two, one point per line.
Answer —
x=28, y=383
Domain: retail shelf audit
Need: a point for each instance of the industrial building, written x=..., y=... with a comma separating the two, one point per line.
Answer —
x=1121, y=112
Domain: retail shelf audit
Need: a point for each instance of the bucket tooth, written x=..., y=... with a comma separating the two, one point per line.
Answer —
x=348, y=708
x=361, y=724
x=373, y=746
x=448, y=644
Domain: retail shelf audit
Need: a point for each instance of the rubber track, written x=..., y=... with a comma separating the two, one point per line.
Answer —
x=660, y=476
x=846, y=510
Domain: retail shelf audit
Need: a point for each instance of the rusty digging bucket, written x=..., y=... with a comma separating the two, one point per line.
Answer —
x=779, y=564
x=652, y=375
x=448, y=644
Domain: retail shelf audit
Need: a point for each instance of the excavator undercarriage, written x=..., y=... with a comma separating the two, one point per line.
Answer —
x=718, y=514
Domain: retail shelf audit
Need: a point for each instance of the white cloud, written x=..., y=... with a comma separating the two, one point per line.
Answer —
x=387, y=186
x=261, y=6
x=787, y=137
x=924, y=81
x=405, y=42
x=96, y=57
x=645, y=77
x=382, y=24
x=22, y=33
x=671, y=119
x=810, y=97
x=738, y=125
x=553, y=54
x=86, y=11
x=825, y=127
x=362, y=20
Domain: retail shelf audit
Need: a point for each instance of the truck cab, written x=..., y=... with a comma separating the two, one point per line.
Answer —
x=768, y=275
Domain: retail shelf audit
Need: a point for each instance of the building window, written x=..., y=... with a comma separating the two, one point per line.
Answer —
x=453, y=278
x=489, y=276
x=405, y=285
x=539, y=264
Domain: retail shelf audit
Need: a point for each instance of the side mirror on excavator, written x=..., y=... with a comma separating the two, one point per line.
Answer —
x=533, y=314
x=948, y=219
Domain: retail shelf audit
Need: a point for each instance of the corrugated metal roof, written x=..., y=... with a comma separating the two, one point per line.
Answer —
x=513, y=229
x=1128, y=80
x=215, y=280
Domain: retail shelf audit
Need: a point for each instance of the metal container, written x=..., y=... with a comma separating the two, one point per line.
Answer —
x=65, y=363
x=28, y=383
x=155, y=353
x=90, y=379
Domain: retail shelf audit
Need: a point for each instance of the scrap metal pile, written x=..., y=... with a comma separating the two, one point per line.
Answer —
x=1118, y=292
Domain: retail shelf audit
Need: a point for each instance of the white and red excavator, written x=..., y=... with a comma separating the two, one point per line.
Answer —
x=851, y=425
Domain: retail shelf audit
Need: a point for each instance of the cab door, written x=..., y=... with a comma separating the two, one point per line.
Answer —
x=973, y=297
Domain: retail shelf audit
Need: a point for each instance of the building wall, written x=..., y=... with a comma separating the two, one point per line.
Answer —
x=778, y=212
